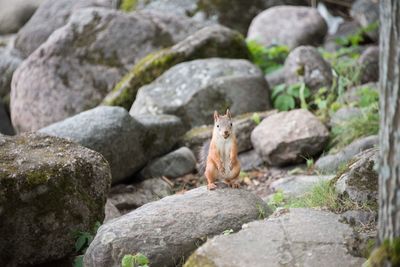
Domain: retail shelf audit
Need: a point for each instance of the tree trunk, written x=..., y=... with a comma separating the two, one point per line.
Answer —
x=389, y=172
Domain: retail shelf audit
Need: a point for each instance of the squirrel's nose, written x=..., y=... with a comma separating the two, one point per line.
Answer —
x=226, y=132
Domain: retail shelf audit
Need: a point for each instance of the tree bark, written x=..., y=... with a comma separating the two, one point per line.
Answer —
x=389, y=83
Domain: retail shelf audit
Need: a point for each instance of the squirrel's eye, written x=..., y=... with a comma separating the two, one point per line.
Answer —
x=231, y=123
x=218, y=126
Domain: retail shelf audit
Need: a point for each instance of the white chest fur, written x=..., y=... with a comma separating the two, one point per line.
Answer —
x=224, y=147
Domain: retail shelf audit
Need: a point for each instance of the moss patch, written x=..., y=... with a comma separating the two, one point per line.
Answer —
x=199, y=261
x=389, y=251
x=128, y=5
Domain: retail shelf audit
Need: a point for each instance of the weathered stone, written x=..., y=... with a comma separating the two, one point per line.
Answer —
x=5, y=123
x=360, y=179
x=300, y=237
x=123, y=140
x=295, y=186
x=9, y=62
x=175, y=164
x=332, y=163
x=49, y=189
x=353, y=95
x=344, y=114
x=110, y=211
x=250, y=160
x=80, y=63
x=170, y=229
x=276, y=77
x=366, y=12
x=129, y=197
x=193, y=90
x=359, y=218
x=345, y=29
x=236, y=14
x=50, y=16
x=289, y=137
x=243, y=125
x=14, y=14
x=369, y=62
x=288, y=25
x=305, y=64
x=213, y=41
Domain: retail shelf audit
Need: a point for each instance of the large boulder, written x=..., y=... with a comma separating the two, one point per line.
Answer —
x=288, y=25
x=213, y=41
x=123, y=140
x=243, y=125
x=359, y=180
x=15, y=13
x=49, y=189
x=175, y=164
x=289, y=137
x=366, y=13
x=369, y=62
x=305, y=64
x=193, y=90
x=235, y=14
x=129, y=197
x=297, y=185
x=50, y=16
x=170, y=229
x=332, y=163
x=354, y=94
x=299, y=237
x=80, y=63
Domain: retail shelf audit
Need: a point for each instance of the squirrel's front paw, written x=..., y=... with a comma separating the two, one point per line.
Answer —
x=211, y=186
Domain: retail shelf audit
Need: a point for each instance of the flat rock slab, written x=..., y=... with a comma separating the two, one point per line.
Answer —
x=168, y=230
x=301, y=237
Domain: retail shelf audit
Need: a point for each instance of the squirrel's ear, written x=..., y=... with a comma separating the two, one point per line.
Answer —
x=216, y=115
x=228, y=113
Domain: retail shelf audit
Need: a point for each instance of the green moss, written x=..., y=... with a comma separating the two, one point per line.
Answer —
x=197, y=131
x=128, y=5
x=199, y=261
x=37, y=177
x=387, y=252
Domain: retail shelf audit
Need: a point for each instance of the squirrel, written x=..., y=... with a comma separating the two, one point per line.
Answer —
x=218, y=157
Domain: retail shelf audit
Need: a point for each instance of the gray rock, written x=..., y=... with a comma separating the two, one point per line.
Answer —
x=359, y=217
x=208, y=42
x=80, y=63
x=344, y=114
x=193, y=90
x=276, y=77
x=129, y=197
x=250, y=160
x=170, y=229
x=9, y=62
x=295, y=186
x=369, y=62
x=5, y=123
x=15, y=13
x=353, y=95
x=305, y=64
x=243, y=125
x=366, y=12
x=288, y=25
x=346, y=28
x=360, y=179
x=300, y=237
x=235, y=14
x=124, y=141
x=289, y=137
x=175, y=164
x=50, y=16
x=49, y=189
x=110, y=211
x=332, y=163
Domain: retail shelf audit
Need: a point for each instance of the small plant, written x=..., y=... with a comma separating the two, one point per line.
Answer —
x=368, y=96
x=227, y=232
x=268, y=59
x=387, y=252
x=261, y=212
x=137, y=260
x=289, y=97
x=256, y=118
x=277, y=200
x=128, y=5
x=358, y=37
x=83, y=240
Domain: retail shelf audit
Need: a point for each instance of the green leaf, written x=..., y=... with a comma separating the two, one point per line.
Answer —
x=303, y=103
x=78, y=262
x=128, y=261
x=227, y=232
x=284, y=102
x=277, y=90
x=141, y=259
x=81, y=242
x=256, y=118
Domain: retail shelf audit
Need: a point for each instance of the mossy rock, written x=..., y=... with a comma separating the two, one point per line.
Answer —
x=50, y=188
x=213, y=41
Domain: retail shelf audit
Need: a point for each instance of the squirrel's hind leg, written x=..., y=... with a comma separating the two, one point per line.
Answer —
x=211, y=173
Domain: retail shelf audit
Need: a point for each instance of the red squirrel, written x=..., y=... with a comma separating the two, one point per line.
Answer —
x=218, y=157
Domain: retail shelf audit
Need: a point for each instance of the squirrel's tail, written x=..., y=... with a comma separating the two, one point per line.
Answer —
x=203, y=154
